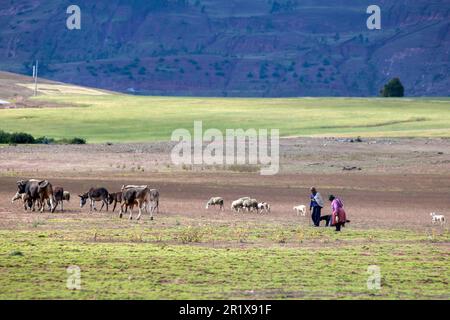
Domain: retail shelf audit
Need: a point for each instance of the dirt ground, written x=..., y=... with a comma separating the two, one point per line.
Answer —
x=400, y=181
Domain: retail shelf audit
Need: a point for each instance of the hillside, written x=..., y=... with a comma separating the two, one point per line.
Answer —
x=262, y=48
x=99, y=116
x=17, y=91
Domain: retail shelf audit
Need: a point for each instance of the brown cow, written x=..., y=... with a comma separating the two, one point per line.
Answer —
x=142, y=196
x=38, y=190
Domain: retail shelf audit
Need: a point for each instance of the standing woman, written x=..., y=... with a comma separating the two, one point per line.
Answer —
x=338, y=217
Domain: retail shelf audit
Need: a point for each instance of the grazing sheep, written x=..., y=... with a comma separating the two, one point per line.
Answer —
x=264, y=206
x=250, y=205
x=215, y=201
x=238, y=205
x=437, y=218
x=301, y=209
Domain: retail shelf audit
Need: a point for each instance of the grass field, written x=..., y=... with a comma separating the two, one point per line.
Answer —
x=173, y=261
x=123, y=118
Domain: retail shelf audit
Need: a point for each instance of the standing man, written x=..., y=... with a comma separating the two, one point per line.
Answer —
x=315, y=206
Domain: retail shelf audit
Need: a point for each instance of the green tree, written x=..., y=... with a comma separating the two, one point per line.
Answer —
x=394, y=88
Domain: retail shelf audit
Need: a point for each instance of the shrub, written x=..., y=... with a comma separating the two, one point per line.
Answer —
x=21, y=138
x=281, y=236
x=190, y=234
x=394, y=88
x=26, y=138
x=44, y=140
x=16, y=253
x=77, y=140
x=4, y=137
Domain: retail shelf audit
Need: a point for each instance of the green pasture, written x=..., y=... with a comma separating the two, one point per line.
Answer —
x=173, y=260
x=125, y=118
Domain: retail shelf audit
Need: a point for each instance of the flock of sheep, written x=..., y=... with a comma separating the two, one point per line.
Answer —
x=250, y=205
x=245, y=203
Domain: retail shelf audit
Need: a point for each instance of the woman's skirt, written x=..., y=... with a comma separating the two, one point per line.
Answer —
x=338, y=216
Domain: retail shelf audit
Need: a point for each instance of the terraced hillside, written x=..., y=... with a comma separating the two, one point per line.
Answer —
x=232, y=48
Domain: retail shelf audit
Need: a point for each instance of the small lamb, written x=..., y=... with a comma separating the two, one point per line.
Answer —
x=435, y=218
x=301, y=209
x=264, y=206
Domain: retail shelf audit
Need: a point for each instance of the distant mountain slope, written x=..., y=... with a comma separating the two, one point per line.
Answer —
x=13, y=85
x=15, y=91
x=233, y=47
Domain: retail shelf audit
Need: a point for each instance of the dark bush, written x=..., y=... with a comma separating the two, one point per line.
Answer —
x=77, y=140
x=44, y=140
x=25, y=138
x=5, y=137
x=21, y=138
x=394, y=88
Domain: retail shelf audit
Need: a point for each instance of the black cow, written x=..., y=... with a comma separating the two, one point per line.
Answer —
x=95, y=194
x=115, y=198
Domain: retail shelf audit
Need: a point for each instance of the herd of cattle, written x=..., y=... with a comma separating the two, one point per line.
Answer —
x=41, y=193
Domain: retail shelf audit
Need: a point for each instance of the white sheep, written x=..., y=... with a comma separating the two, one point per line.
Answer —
x=238, y=205
x=215, y=201
x=264, y=206
x=301, y=209
x=435, y=218
x=251, y=205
